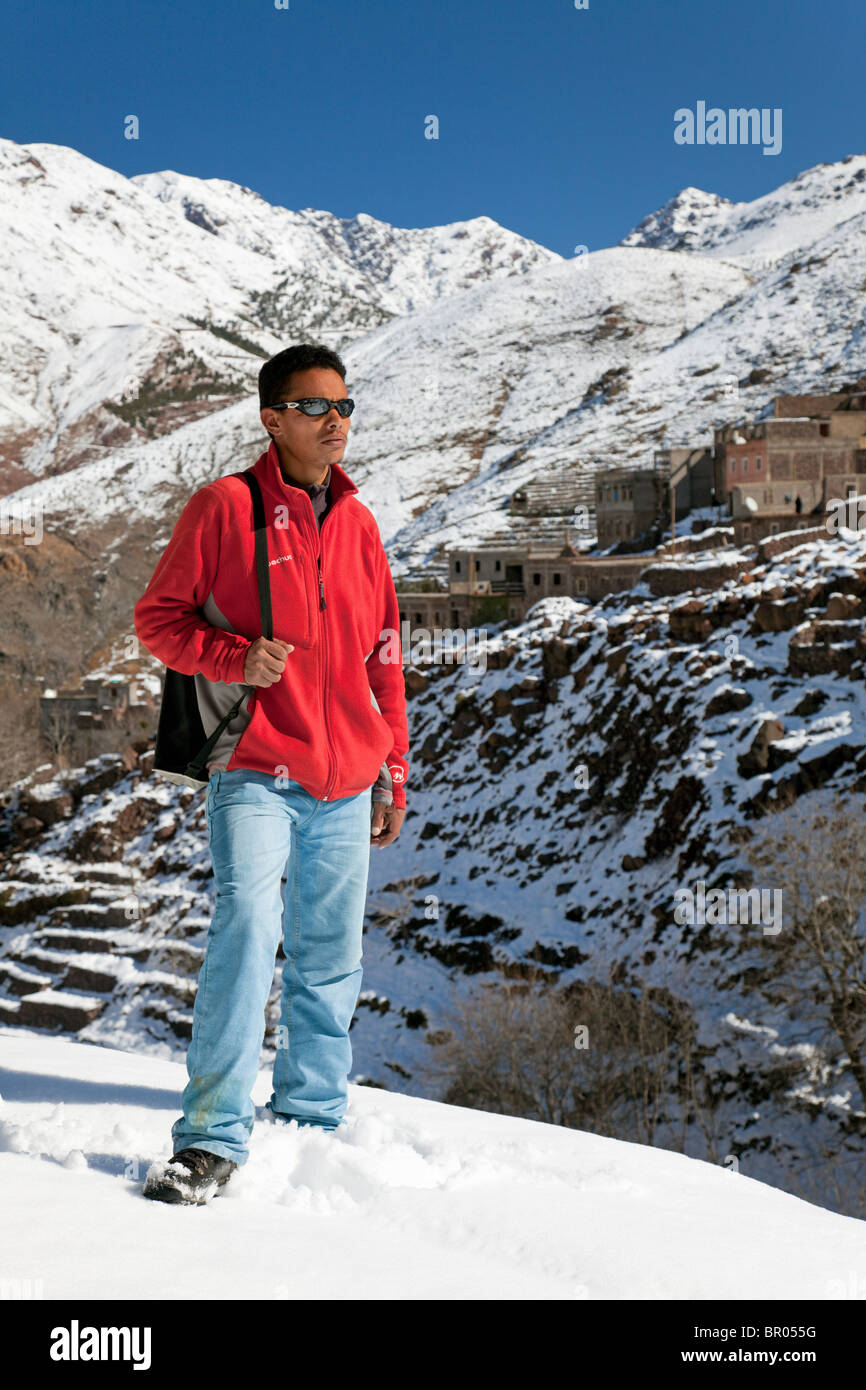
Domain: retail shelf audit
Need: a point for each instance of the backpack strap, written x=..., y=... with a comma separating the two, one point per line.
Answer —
x=196, y=768
x=261, y=535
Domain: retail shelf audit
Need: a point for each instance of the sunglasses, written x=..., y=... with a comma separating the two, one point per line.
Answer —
x=316, y=405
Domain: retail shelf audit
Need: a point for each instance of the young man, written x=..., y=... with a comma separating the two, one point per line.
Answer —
x=290, y=777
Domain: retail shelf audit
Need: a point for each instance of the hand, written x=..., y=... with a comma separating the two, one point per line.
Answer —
x=265, y=661
x=386, y=824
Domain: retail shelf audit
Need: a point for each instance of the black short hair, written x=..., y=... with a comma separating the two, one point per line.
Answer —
x=276, y=372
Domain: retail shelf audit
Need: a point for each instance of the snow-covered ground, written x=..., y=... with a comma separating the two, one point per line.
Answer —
x=409, y=1200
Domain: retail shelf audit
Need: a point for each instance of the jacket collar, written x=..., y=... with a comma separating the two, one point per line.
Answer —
x=268, y=471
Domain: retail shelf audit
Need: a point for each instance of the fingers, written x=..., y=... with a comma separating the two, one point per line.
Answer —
x=392, y=816
x=266, y=660
x=387, y=838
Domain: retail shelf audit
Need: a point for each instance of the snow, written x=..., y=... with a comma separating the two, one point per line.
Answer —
x=410, y=1199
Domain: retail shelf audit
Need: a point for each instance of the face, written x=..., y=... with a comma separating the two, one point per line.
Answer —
x=307, y=446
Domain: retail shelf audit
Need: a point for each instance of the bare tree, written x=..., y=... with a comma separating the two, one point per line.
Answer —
x=815, y=966
x=58, y=730
x=19, y=732
x=598, y=1055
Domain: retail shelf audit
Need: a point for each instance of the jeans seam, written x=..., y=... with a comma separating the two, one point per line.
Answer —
x=296, y=917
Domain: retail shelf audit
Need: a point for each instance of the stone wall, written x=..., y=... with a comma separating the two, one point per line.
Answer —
x=666, y=580
x=777, y=545
x=749, y=530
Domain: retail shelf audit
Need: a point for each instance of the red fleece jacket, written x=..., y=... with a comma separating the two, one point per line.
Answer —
x=318, y=724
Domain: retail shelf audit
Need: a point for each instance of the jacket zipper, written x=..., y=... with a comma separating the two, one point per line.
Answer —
x=332, y=766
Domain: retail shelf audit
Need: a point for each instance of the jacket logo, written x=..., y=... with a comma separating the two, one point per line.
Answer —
x=279, y=561
x=396, y=772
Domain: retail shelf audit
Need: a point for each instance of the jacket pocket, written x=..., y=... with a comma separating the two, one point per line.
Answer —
x=291, y=582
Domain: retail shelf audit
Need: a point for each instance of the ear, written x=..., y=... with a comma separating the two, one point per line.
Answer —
x=268, y=419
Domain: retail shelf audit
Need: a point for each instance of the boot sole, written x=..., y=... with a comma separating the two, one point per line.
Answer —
x=176, y=1196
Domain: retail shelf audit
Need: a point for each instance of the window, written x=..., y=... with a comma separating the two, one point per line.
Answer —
x=536, y=579
x=745, y=465
x=757, y=463
x=616, y=494
x=747, y=530
x=418, y=619
x=774, y=528
x=499, y=564
x=556, y=578
x=824, y=429
x=580, y=586
x=402, y=616
x=733, y=465
x=456, y=566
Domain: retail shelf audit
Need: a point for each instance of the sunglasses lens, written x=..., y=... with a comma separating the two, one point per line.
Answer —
x=317, y=405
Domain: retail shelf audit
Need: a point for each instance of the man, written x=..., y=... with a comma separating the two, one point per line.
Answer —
x=290, y=777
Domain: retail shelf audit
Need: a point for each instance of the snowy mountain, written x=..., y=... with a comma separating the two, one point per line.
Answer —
x=408, y=1200
x=394, y=269
x=131, y=306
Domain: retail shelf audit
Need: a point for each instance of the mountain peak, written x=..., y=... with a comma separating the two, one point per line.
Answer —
x=679, y=223
x=763, y=231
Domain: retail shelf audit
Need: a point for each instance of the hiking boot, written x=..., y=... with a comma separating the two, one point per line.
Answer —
x=192, y=1176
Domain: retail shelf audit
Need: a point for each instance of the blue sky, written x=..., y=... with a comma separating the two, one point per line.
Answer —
x=556, y=122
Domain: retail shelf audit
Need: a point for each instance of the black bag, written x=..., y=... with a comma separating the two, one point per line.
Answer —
x=182, y=748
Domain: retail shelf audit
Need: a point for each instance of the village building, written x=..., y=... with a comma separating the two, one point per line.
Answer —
x=773, y=476
x=629, y=503
x=634, y=504
x=93, y=718
x=784, y=472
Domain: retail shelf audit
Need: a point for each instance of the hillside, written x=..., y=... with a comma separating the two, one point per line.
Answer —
x=131, y=307
x=600, y=760
x=410, y=1200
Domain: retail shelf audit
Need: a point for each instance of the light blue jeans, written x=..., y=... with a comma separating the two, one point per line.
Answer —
x=259, y=831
